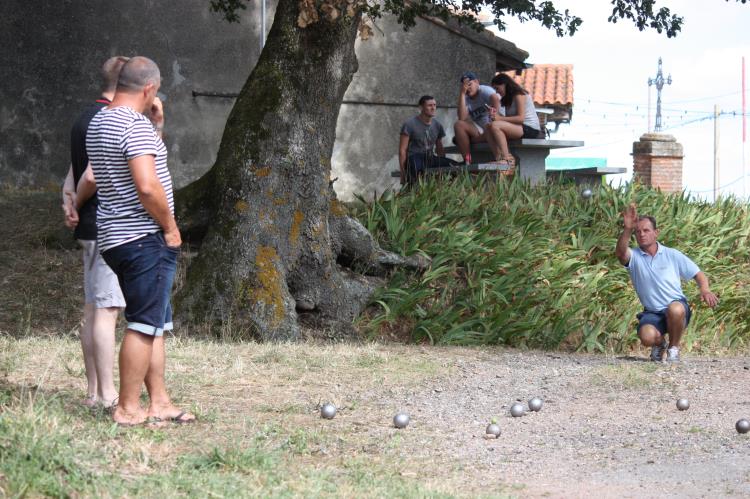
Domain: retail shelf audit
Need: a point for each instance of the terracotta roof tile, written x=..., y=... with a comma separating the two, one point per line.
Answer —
x=548, y=84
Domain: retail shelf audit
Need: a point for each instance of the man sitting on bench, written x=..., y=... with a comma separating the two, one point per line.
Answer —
x=421, y=142
x=474, y=104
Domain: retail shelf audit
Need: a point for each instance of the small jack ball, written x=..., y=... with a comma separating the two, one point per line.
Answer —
x=683, y=404
x=493, y=430
x=517, y=410
x=401, y=420
x=587, y=193
x=742, y=426
x=327, y=411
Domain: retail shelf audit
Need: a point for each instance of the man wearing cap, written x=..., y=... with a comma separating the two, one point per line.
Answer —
x=475, y=104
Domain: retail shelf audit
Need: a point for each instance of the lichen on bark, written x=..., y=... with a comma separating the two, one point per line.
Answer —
x=272, y=233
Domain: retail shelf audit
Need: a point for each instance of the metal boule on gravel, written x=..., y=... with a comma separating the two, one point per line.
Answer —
x=587, y=193
x=683, y=404
x=493, y=430
x=327, y=411
x=401, y=420
x=517, y=410
x=742, y=426
x=535, y=404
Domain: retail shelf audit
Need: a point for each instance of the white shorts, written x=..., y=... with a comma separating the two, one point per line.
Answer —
x=100, y=285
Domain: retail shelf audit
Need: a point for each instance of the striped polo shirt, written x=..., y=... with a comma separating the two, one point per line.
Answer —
x=115, y=136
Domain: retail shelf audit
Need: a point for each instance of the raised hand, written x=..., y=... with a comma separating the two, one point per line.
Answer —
x=630, y=217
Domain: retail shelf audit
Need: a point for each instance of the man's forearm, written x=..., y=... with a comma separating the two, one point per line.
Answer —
x=461, y=107
x=68, y=189
x=156, y=204
x=86, y=187
x=702, y=281
x=623, y=244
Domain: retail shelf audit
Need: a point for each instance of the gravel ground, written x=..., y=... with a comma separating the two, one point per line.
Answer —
x=609, y=426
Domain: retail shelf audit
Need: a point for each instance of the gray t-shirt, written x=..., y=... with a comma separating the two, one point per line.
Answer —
x=476, y=105
x=422, y=138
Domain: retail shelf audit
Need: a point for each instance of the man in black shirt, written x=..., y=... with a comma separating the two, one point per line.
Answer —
x=103, y=298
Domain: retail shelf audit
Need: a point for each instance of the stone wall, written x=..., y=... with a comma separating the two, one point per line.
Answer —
x=51, y=57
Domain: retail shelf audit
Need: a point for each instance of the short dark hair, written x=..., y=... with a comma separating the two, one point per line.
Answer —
x=651, y=219
x=425, y=98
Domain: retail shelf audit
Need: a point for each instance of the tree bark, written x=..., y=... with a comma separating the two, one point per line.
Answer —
x=270, y=224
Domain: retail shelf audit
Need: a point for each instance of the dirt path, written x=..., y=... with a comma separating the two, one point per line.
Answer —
x=609, y=426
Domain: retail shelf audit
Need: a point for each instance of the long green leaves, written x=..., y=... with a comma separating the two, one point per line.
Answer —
x=534, y=266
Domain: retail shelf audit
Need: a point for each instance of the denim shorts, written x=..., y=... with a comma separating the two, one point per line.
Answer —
x=145, y=268
x=659, y=319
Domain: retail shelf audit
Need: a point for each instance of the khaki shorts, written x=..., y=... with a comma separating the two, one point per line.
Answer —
x=100, y=285
x=479, y=127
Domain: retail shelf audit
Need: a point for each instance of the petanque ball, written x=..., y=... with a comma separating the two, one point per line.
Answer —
x=683, y=404
x=535, y=404
x=517, y=410
x=742, y=426
x=493, y=429
x=401, y=420
x=327, y=411
x=586, y=193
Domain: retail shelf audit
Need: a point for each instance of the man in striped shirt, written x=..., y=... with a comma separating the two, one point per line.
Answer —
x=137, y=234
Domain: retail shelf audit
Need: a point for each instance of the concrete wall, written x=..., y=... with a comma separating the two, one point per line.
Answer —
x=49, y=62
x=395, y=69
x=51, y=54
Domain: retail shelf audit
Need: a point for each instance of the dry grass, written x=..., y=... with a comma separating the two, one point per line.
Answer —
x=42, y=289
x=258, y=398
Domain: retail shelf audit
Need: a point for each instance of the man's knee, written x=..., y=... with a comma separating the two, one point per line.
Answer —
x=649, y=335
x=676, y=310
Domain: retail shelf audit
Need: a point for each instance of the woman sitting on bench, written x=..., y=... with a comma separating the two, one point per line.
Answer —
x=520, y=119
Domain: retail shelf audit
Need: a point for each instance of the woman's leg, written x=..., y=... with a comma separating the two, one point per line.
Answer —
x=504, y=131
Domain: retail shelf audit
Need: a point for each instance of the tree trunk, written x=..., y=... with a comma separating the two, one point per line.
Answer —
x=270, y=224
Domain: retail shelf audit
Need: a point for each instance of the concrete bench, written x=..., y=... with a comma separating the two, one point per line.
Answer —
x=529, y=153
x=486, y=168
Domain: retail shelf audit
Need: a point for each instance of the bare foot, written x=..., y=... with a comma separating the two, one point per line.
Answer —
x=89, y=401
x=170, y=413
x=123, y=418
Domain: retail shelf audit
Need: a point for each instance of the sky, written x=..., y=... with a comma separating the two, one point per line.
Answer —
x=612, y=64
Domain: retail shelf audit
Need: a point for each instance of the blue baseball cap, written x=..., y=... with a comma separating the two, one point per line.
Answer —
x=468, y=75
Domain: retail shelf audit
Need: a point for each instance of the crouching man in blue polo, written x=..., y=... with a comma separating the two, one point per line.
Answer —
x=137, y=234
x=656, y=272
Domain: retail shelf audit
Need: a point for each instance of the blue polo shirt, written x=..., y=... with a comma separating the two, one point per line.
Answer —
x=656, y=279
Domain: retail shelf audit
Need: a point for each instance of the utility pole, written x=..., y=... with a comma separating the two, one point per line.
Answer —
x=716, y=152
x=744, y=166
x=659, y=82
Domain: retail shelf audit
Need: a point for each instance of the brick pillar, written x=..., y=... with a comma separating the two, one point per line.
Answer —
x=657, y=162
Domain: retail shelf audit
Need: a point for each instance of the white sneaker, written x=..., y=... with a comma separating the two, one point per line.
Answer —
x=657, y=351
x=673, y=354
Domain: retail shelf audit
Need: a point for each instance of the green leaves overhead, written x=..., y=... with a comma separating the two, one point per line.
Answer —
x=643, y=13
